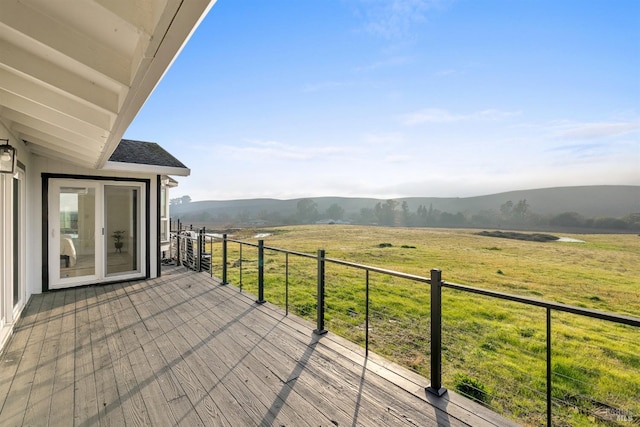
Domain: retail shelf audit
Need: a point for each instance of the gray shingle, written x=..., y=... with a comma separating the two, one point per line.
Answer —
x=144, y=153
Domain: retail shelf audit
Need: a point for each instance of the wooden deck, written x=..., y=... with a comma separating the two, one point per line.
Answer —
x=184, y=350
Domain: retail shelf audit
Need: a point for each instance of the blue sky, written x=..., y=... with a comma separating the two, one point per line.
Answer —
x=401, y=98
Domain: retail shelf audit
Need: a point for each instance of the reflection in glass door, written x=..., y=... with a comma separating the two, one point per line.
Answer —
x=122, y=219
x=77, y=220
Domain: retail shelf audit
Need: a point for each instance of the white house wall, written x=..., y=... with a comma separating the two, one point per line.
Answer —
x=7, y=315
x=35, y=166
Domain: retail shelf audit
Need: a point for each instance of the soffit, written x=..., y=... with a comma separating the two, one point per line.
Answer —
x=73, y=74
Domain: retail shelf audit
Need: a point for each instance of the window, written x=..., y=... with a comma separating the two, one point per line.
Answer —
x=164, y=214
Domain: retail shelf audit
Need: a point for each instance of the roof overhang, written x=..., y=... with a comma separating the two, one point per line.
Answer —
x=72, y=79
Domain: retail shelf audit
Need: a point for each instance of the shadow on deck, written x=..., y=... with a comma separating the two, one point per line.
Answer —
x=184, y=350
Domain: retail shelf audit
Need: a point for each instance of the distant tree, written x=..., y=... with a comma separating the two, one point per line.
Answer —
x=520, y=209
x=180, y=200
x=610, y=223
x=367, y=216
x=451, y=220
x=306, y=211
x=335, y=212
x=421, y=216
x=484, y=219
x=567, y=219
x=633, y=220
x=386, y=212
x=505, y=209
x=406, y=214
x=426, y=217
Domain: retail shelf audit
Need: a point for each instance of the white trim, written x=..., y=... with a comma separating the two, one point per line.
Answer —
x=6, y=284
x=9, y=312
x=22, y=239
x=144, y=168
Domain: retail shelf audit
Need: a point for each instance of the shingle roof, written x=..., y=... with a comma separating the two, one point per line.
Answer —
x=144, y=153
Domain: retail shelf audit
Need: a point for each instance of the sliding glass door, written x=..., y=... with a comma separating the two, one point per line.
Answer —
x=95, y=231
x=122, y=229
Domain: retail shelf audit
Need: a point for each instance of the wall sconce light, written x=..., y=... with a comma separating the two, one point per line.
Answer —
x=8, y=157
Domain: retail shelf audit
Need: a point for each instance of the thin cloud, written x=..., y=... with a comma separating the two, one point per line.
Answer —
x=595, y=130
x=275, y=150
x=580, y=151
x=437, y=115
x=394, y=19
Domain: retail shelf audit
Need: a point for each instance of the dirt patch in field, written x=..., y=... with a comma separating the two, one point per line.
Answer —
x=534, y=237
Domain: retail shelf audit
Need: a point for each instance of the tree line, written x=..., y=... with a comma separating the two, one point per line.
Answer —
x=392, y=213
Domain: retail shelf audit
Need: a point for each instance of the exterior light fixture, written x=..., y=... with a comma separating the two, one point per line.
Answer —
x=8, y=157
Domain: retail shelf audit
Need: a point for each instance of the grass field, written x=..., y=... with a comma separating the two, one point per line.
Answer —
x=493, y=351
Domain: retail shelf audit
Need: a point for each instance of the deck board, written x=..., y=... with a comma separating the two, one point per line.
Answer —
x=183, y=349
x=42, y=388
x=62, y=397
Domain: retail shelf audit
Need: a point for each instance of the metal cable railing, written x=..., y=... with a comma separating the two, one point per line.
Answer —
x=310, y=281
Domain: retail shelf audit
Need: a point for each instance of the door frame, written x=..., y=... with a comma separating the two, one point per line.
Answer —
x=20, y=215
x=12, y=265
x=145, y=217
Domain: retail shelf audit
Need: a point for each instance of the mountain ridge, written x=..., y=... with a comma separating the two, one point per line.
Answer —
x=613, y=201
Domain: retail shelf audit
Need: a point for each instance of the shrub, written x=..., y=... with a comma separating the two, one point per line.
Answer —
x=471, y=387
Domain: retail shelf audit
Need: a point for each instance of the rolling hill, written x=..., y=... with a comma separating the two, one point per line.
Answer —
x=614, y=201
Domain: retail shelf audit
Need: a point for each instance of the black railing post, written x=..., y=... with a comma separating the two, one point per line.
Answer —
x=177, y=237
x=366, y=315
x=260, y=299
x=549, y=367
x=211, y=241
x=224, y=259
x=286, y=283
x=200, y=241
x=240, y=266
x=320, y=308
x=178, y=255
x=436, y=334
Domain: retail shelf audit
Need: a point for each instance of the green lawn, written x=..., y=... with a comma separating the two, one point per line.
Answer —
x=493, y=350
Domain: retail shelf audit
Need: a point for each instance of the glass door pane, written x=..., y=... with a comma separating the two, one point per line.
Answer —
x=17, y=255
x=122, y=229
x=77, y=221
